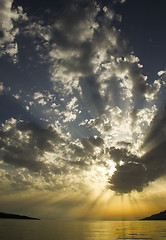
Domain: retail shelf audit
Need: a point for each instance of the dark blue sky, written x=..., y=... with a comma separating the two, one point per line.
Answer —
x=143, y=25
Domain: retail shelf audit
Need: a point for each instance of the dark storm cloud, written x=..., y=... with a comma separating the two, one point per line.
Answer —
x=24, y=145
x=131, y=175
x=23, y=158
x=136, y=173
x=122, y=155
x=42, y=137
x=128, y=177
x=124, y=144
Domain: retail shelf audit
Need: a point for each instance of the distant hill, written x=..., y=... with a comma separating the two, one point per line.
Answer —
x=158, y=216
x=15, y=216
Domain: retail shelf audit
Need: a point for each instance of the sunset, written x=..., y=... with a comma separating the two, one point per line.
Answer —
x=83, y=114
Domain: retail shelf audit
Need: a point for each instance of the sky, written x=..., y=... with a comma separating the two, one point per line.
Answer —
x=83, y=108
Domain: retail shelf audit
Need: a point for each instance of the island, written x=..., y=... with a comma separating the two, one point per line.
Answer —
x=15, y=216
x=158, y=216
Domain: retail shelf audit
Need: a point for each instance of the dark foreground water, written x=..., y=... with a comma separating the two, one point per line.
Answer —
x=81, y=230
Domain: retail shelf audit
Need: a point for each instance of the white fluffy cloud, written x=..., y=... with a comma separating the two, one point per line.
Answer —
x=1, y=87
x=8, y=30
x=40, y=157
x=162, y=72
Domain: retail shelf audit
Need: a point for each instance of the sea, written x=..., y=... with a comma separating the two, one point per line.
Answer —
x=81, y=230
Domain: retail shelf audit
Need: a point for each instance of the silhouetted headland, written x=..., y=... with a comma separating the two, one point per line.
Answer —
x=15, y=216
x=158, y=216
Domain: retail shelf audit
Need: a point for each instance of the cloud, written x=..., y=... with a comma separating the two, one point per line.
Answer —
x=41, y=98
x=37, y=95
x=162, y=72
x=8, y=30
x=1, y=88
x=123, y=155
x=80, y=53
x=44, y=158
x=137, y=172
x=97, y=83
x=128, y=177
x=91, y=142
x=130, y=173
x=154, y=146
x=71, y=112
x=23, y=145
x=89, y=58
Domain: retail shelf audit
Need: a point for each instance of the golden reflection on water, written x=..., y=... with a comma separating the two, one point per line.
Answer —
x=81, y=230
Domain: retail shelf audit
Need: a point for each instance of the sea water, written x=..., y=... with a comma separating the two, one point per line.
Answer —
x=81, y=230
